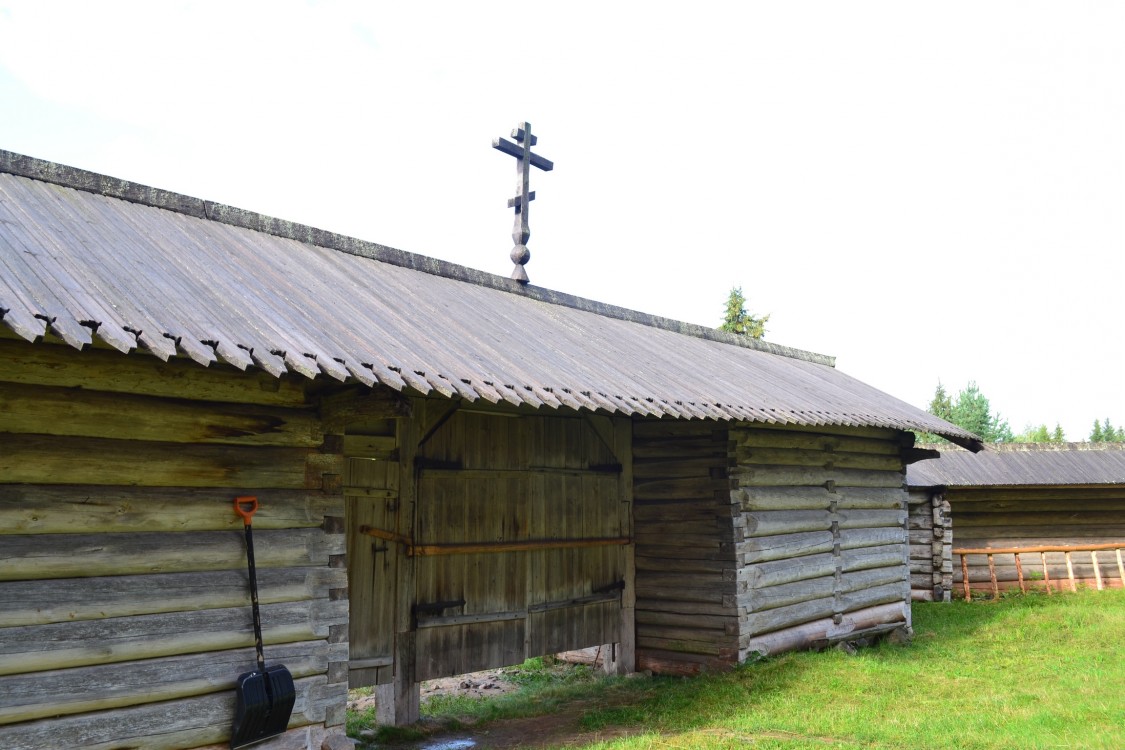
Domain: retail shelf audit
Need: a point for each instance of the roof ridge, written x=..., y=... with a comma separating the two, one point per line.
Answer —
x=92, y=182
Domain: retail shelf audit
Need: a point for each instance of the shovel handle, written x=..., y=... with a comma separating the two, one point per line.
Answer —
x=246, y=506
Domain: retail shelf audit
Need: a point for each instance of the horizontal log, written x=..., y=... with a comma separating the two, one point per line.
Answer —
x=681, y=512
x=769, y=620
x=870, y=433
x=688, y=646
x=756, y=456
x=771, y=522
x=48, y=459
x=1039, y=536
x=702, y=583
x=47, y=694
x=819, y=498
x=32, y=409
x=815, y=588
x=700, y=467
x=51, y=365
x=721, y=640
x=680, y=565
x=24, y=557
x=662, y=604
x=166, y=725
x=684, y=594
x=678, y=664
x=856, y=538
x=44, y=601
x=789, y=570
x=921, y=594
x=791, y=476
x=78, y=509
x=678, y=489
x=724, y=622
x=814, y=442
x=680, y=450
x=710, y=549
x=1025, y=520
x=659, y=430
x=346, y=409
x=763, y=549
x=864, y=558
x=809, y=634
x=38, y=648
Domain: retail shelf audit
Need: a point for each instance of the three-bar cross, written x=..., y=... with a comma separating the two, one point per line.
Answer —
x=525, y=160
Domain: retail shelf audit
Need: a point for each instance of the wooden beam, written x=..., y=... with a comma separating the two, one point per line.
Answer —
x=138, y=373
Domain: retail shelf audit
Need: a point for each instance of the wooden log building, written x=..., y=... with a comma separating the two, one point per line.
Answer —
x=455, y=472
x=1014, y=495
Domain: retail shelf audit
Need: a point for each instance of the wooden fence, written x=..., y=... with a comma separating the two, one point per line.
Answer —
x=1114, y=547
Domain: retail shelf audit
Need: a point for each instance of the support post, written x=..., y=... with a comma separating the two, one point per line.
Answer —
x=405, y=689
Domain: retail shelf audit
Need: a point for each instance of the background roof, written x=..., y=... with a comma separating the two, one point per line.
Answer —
x=1023, y=464
x=93, y=257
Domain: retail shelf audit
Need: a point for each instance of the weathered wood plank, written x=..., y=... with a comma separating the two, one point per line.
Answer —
x=808, y=634
x=660, y=429
x=871, y=433
x=763, y=549
x=46, y=459
x=38, y=648
x=80, y=412
x=24, y=557
x=44, y=601
x=61, y=366
x=1059, y=517
x=812, y=441
x=789, y=570
x=691, y=488
x=769, y=620
x=47, y=694
x=802, y=591
x=762, y=456
x=802, y=476
x=78, y=509
x=165, y=725
x=819, y=498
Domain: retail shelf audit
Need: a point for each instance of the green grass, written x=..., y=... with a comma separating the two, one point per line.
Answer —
x=1023, y=672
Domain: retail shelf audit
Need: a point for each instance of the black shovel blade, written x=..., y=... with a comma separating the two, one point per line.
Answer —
x=264, y=705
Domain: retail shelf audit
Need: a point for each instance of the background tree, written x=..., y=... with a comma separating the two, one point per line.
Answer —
x=1096, y=434
x=1040, y=434
x=737, y=320
x=971, y=411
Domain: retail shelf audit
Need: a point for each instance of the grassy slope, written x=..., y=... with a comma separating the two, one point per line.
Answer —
x=1024, y=672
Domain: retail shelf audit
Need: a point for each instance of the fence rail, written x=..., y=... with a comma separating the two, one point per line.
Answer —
x=1093, y=549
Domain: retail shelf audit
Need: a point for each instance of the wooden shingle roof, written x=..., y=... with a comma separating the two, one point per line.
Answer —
x=1024, y=464
x=94, y=258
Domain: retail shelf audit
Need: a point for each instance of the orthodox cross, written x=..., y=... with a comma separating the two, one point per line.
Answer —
x=525, y=160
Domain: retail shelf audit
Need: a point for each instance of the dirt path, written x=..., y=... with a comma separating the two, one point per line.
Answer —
x=559, y=729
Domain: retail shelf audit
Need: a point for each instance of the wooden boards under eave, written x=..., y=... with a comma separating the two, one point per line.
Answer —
x=123, y=583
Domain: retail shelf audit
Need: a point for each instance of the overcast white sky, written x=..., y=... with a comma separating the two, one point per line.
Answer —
x=924, y=190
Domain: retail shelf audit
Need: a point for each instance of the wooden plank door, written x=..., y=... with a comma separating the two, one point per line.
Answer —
x=371, y=491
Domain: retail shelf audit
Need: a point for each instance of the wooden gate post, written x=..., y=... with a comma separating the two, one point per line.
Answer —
x=405, y=692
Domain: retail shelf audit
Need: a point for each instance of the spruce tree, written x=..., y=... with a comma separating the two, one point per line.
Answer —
x=737, y=320
x=1096, y=434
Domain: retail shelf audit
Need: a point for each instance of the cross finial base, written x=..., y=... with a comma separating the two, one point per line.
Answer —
x=520, y=256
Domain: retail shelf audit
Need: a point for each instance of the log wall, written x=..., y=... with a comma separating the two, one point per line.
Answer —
x=824, y=554
x=754, y=540
x=931, y=544
x=1041, y=516
x=124, y=600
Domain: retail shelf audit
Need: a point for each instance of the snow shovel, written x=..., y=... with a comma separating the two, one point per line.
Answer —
x=266, y=695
